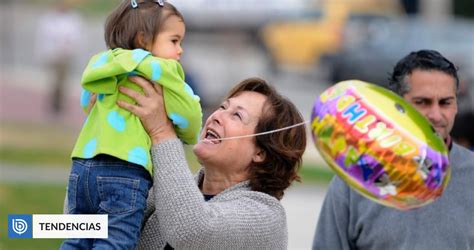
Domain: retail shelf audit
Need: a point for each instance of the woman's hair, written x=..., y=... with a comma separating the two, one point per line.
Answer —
x=283, y=149
x=126, y=22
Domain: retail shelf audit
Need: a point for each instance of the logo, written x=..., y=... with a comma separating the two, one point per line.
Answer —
x=58, y=226
x=19, y=226
x=70, y=226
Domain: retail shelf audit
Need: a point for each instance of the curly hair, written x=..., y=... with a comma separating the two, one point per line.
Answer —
x=283, y=149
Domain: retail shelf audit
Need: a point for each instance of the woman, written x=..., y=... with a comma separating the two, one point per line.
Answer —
x=234, y=200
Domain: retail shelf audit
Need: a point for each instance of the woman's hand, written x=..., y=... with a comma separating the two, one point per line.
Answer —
x=150, y=108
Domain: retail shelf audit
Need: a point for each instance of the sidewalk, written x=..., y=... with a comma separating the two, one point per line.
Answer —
x=33, y=174
x=302, y=204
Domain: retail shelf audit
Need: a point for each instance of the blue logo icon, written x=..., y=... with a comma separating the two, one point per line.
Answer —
x=20, y=226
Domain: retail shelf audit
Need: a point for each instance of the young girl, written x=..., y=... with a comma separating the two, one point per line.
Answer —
x=111, y=170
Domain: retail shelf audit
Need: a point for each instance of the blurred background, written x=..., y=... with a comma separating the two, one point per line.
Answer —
x=301, y=46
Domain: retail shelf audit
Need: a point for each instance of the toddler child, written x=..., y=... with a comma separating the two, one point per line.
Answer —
x=112, y=170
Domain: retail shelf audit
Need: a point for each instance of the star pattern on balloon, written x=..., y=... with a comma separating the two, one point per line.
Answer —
x=386, y=186
x=424, y=165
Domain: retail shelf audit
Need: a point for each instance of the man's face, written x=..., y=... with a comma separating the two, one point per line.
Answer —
x=433, y=93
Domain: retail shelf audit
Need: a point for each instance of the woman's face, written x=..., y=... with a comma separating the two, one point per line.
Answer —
x=239, y=115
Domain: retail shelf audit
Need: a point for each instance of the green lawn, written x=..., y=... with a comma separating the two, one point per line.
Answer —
x=48, y=199
x=29, y=199
x=25, y=145
x=36, y=144
x=31, y=156
x=315, y=175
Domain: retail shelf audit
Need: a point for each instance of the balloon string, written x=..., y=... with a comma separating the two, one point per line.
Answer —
x=261, y=133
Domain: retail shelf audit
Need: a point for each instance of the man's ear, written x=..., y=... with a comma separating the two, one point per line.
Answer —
x=259, y=156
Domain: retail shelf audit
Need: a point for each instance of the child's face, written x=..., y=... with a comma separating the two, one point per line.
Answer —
x=167, y=43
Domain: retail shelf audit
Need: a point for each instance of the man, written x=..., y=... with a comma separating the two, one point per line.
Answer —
x=349, y=221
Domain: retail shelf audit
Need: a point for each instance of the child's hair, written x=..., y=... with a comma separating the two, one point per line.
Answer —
x=126, y=22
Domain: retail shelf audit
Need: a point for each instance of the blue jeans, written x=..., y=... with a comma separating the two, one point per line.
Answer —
x=107, y=185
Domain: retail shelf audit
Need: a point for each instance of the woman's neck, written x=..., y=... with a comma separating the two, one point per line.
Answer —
x=215, y=182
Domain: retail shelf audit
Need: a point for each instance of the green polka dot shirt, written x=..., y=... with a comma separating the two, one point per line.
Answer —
x=114, y=131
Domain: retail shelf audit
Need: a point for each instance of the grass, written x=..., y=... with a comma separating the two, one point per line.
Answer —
x=29, y=199
x=38, y=157
x=311, y=174
x=37, y=145
x=35, y=157
x=48, y=199
x=33, y=144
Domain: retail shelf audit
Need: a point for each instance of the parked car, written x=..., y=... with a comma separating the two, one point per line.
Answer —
x=303, y=40
x=244, y=15
x=370, y=52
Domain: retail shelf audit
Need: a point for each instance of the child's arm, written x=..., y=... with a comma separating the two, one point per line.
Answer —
x=105, y=70
x=182, y=105
x=98, y=77
x=87, y=100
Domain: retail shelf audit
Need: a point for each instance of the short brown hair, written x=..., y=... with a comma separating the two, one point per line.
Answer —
x=125, y=23
x=283, y=149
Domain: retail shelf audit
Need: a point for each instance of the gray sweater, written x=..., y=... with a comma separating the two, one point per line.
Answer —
x=236, y=218
x=350, y=221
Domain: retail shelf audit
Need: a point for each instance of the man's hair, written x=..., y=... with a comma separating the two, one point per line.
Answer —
x=125, y=23
x=283, y=149
x=419, y=60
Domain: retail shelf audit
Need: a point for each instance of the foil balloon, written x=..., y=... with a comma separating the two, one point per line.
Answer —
x=380, y=145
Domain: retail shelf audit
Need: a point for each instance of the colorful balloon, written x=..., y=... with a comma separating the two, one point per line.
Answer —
x=380, y=145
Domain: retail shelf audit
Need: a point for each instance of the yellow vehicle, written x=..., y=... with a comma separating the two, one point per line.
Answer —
x=302, y=42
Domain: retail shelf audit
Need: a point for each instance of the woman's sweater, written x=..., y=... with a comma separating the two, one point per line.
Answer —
x=237, y=218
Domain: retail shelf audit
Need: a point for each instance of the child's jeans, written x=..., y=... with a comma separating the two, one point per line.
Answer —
x=107, y=185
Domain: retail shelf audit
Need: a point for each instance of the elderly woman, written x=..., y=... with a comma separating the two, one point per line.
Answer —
x=234, y=201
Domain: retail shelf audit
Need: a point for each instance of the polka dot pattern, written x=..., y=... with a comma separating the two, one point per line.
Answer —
x=179, y=120
x=133, y=73
x=103, y=58
x=89, y=148
x=116, y=120
x=190, y=92
x=85, y=98
x=155, y=71
x=138, y=155
x=139, y=54
x=108, y=125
